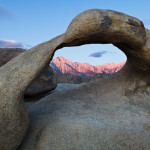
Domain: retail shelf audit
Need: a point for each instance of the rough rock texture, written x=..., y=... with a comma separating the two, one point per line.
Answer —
x=16, y=76
x=6, y=54
x=30, y=100
x=113, y=113
x=45, y=82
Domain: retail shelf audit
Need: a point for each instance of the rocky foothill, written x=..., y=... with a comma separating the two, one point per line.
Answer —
x=76, y=79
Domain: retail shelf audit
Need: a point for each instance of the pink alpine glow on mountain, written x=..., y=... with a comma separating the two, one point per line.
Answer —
x=63, y=65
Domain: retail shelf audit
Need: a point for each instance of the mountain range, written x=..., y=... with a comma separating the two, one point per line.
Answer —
x=63, y=65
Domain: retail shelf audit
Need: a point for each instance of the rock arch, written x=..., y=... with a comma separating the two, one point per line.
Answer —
x=101, y=114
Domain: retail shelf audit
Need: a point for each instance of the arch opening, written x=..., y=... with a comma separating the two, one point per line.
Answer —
x=87, y=61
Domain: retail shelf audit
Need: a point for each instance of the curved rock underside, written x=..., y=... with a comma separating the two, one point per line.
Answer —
x=44, y=83
x=113, y=113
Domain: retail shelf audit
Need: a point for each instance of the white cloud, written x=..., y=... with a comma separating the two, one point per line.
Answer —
x=12, y=44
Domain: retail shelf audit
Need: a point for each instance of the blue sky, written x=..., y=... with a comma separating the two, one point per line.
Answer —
x=26, y=23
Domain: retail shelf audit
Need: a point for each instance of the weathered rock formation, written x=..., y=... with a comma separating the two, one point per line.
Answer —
x=6, y=54
x=43, y=83
x=113, y=113
x=15, y=77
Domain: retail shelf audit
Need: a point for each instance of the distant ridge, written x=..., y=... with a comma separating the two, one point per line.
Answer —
x=63, y=65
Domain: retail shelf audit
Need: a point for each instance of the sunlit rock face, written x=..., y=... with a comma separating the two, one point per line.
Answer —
x=112, y=113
